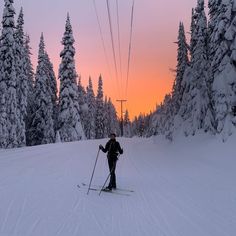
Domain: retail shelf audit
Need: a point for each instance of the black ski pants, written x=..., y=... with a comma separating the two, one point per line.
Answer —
x=112, y=168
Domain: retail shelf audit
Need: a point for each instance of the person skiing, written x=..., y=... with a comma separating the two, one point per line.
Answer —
x=112, y=149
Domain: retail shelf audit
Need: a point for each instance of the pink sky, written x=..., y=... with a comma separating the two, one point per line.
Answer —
x=153, y=54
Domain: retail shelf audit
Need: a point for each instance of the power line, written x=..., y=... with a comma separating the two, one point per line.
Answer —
x=130, y=46
x=112, y=42
x=119, y=43
x=102, y=38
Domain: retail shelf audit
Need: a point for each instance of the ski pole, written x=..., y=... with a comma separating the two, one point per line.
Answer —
x=108, y=177
x=93, y=171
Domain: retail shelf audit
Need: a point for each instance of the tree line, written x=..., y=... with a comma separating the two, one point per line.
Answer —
x=31, y=111
x=203, y=97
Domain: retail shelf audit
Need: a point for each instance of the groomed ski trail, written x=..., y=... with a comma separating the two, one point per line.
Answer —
x=181, y=189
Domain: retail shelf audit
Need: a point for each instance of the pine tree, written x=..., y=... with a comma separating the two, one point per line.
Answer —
x=127, y=125
x=223, y=60
x=52, y=87
x=90, y=119
x=30, y=80
x=82, y=103
x=106, y=118
x=165, y=122
x=114, y=123
x=182, y=64
x=214, y=35
x=42, y=126
x=175, y=101
x=138, y=126
x=69, y=123
x=22, y=80
x=111, y=124
x=29, y=66
x=196, y=107
x=81, y=92
x=8, y=95
x=193, y=31
x=99, y=114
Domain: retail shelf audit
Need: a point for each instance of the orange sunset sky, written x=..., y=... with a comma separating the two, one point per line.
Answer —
x=153, y=49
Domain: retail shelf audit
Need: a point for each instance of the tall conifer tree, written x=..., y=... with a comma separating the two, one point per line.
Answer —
x=8, y=94
x=196, y=109
x=90, y=119
x=222, y=34
x=69, y=122
x=42, y=126
x=30, y=80
x=22, y=80
x=99, y=115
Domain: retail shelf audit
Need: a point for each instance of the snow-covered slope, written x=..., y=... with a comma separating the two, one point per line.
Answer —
x=181, y=189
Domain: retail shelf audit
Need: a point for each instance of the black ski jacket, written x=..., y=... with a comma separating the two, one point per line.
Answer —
x=112, y=149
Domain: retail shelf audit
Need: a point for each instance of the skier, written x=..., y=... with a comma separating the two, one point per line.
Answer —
x=112, y=149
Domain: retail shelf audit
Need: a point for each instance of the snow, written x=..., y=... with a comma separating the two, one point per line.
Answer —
x=185, y=188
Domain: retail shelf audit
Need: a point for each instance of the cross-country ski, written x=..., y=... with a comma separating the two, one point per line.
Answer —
x=117, y=191
x=100, y=186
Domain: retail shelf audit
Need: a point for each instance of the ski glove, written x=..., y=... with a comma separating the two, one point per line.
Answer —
x=100, y=147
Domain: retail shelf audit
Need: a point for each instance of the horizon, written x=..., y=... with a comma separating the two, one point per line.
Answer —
x=153, y=49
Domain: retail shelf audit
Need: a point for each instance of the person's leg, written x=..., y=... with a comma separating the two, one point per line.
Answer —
x=114, y=176
x=110, y=164
x=112, y=168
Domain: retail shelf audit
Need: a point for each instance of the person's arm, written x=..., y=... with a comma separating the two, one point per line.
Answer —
x=104, y=149
x=120, y=149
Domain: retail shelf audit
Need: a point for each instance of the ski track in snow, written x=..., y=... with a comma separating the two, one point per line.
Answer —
x=182, y=189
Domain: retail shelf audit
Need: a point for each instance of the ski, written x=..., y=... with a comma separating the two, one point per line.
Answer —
x=98, y=190
x=118, y=189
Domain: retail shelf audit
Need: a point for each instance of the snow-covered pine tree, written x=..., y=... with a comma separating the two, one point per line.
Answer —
x=153, y=129
x=166, y=117
x=90, y=118
x=182, y=63
x=138, y=128
x=69, y=123
x=111, y=123
x=193, y=32
x=52, y=87
x=172, y=103
x=42, y=126
x=29, y=66
x=114, y=126
x=82, y=103
x=127, y=125
x=22, y=80
x=223, y=63
x=213, y=37
x=214, y=11
x=8, y=95
x=30, y=80
x=134, y=127
x=196, y=108
x=82, y=92
x=175, y=100
x=106, y=118
x=99, y=114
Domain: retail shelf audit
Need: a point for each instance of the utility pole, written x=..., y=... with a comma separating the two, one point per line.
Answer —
x=121, y=116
